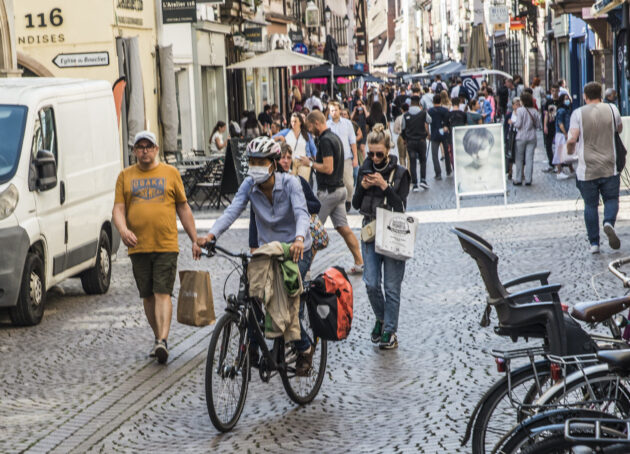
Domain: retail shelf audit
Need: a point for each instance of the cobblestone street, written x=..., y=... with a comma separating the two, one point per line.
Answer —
x=81, y=381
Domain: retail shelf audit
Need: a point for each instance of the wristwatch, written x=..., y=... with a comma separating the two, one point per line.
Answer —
x=299, y=238
x=310, y=163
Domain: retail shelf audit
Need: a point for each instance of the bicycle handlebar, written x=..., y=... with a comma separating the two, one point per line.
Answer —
x=210, y=248
x=614, y=266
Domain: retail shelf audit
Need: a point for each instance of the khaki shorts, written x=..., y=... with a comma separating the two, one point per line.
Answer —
x=348, y=179
x=333, y=205
x=154, y=272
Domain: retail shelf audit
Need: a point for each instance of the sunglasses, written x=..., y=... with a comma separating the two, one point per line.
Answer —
x=378, y=154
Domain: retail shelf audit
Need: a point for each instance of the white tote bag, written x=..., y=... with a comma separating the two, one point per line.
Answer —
x=395, y=234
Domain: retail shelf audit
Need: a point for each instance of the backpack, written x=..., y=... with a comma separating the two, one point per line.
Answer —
x=329, y=304
x=439, y=88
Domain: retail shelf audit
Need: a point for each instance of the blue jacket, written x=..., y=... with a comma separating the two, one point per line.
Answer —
x=281, y=221
x=563, y=117
x=312, y=203
x=311, y=149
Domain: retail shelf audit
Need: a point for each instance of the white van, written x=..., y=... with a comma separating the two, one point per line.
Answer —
x=59, y=159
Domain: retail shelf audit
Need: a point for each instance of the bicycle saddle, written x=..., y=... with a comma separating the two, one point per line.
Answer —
x=598, y=311
x=618, y=360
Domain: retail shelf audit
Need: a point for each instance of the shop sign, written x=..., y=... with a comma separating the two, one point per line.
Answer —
x=603, y=6
x=561, y=26
x=499, y=14
x=253, y=35
x=359, y=66
x=179, y=11
x=517, y=23
x=296, y=36
x=300, y=48
x=81, y=60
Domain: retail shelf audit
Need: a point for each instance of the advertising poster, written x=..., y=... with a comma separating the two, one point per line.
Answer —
x=479, y=160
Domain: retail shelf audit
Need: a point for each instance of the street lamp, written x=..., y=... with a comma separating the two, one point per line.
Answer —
x=327, y=13
x=346, y=21
x=311, y=15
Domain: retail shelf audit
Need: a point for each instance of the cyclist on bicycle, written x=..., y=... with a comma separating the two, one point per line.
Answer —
x=281, y=213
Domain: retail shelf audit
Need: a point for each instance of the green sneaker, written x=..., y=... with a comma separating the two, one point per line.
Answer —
x=389, y=341
x=377, y=332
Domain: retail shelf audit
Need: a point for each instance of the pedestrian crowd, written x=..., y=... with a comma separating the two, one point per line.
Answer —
x=364, y=151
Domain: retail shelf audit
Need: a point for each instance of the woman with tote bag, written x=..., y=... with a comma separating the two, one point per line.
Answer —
x=381, y=183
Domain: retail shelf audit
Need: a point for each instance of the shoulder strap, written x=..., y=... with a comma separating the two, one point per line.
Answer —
x=614, y=129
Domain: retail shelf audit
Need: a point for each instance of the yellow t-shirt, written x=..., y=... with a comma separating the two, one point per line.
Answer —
x=150, y=198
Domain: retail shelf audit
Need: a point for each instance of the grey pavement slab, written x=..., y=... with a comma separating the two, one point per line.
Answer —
x=81, y=380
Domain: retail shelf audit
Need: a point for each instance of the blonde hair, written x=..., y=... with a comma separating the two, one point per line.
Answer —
x=379, y=135
x=297, y=95
x=334, y=103
x=446, y=101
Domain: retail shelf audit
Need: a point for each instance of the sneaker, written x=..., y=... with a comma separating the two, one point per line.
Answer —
x=355, y=269
x=161, y=352
x=438, y=177
x=548, y=169
x=563, y=176
x=152, y=354
x=448, y=174
x=377, y=332
x=613, y=239
x=389, y=341
x=594, y=249
x=415, y=188
x=424, y=184
x=304, y=362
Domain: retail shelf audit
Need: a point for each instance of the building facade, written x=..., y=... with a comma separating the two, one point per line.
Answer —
x=8, y=54
x=94, y=40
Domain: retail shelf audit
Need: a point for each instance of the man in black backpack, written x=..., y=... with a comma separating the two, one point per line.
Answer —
x=438, y=85
x=414, y=131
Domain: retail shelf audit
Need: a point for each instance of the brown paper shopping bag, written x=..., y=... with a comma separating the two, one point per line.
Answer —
x=195, y=305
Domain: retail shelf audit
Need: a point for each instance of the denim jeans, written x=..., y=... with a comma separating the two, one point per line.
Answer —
x=304, y=343
x=609, y=189
x=435, y=155
x=524, y=154
x=379, y=268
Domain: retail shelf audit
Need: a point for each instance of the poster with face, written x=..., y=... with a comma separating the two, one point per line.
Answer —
x=479, y=160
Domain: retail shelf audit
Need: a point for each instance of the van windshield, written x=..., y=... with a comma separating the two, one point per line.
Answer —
x=12, y=120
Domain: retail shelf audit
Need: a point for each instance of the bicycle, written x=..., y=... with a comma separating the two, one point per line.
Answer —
x=228, y=368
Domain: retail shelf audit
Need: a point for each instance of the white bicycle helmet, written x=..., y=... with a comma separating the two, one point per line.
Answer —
x=264, y=147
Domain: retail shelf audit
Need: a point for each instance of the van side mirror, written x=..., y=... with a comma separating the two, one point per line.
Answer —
x=46, y=170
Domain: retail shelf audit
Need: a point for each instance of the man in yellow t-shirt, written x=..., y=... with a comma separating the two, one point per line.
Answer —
x=148, y=194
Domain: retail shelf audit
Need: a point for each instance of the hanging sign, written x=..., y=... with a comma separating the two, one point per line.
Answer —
x=517, y=23
x=253, y=35
x=499, y=14
x=296, y=36
x=179, y=11
x=300, y=48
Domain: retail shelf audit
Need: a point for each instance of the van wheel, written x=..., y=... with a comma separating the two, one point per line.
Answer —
x=95, y=281
x=30, y=305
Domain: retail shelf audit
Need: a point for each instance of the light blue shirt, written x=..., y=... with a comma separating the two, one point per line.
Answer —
x=282, y=220
x=311, y=149
x=344, y=129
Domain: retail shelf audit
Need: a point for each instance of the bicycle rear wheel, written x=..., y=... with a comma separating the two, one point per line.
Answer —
x=302, y=390
x=227, y=373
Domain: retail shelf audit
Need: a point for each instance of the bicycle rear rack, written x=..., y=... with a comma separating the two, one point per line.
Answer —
x=595, y=430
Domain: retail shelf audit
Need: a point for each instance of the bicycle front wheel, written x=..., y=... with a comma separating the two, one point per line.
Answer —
x=302, y=390
x=227, y=373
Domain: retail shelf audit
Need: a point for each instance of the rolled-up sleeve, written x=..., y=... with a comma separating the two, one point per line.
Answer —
x=298, y=202
x=235, y=209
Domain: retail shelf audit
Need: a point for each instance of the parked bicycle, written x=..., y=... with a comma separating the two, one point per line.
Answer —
x=535, y=313
x=237, y=338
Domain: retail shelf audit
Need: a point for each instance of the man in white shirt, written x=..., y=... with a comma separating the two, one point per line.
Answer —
x=314, y=101
x=427, y=99
x=344, y=129
x=456, y=89
x=591, y=136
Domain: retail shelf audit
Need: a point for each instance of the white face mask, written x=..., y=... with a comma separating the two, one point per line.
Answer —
x=260, y=174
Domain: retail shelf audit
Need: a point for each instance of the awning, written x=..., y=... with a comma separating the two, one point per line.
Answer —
x=447, y=68
x=324, y=71
x=278, y=58
x=485, y=72
x=416, y=76
x=386, y=57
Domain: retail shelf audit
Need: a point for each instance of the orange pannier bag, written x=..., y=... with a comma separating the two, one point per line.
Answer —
x=330, y=304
